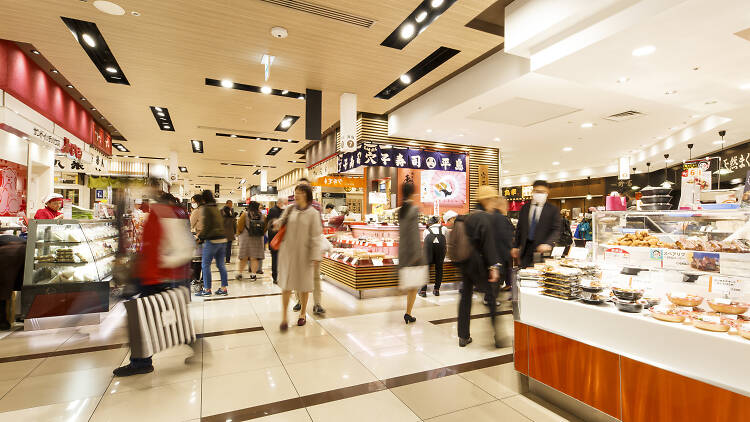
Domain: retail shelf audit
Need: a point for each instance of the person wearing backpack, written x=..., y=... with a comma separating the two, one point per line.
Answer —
x=471, y=246
x=435, y=247
x=251, y=227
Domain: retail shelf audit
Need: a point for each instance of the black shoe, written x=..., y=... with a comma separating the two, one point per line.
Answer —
x=408, y=319
x=297, y=307
x=318, y=310
x=462, y=342
x=129, y=369
x=4, y=326
x=436, y=292
x=260, y=272
x=253, y=277
x=423, y=293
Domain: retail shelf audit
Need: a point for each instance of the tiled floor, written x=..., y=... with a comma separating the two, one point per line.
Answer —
x=336, y=368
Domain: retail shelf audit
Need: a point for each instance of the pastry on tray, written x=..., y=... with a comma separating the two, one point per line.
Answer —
x=684, y=299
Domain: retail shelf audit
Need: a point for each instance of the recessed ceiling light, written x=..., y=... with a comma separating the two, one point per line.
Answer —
x=266, y=89
x=567, y=149
x=226, y=83
x=93, y=109
x=644, y=51
x=407, y=31
x=623, y=79
x=233, y=135
x=301, y=97
x=109, y=8
x=429, y=130
x=89, y=40
x=436, y=3
x=497, y=139
x=587, y=125
x=54, y=71
x=555, y=163
x=157, y=108
x=711, y=102
x=286, y=123
x=69, y=86
x=745, y=87
x=83, y=99
x=183, y=169
x=406, y=79
x=35, y=51
x=160, y=114
x=420, y=17
x=111, y=69
x=284, y=92
x=167, y=127
x=670, y=92
x=134, y=13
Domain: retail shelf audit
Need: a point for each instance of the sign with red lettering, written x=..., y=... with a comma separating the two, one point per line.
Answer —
x=71, y=149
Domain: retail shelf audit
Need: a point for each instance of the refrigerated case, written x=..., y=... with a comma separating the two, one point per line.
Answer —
x=644, y=365
x=68, y=267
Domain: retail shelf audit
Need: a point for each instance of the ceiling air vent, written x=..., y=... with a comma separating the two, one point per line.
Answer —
x=625, y=115
x=323, y=11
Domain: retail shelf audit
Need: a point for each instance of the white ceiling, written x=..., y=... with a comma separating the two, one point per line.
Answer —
x=691, y=34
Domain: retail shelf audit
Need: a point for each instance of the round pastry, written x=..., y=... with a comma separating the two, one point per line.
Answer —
x=711, y=321
x=667, y=313
x=727, y=306
x=684, y=299
x=744, y=329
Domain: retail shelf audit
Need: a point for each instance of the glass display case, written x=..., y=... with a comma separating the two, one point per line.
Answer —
x=71, y=262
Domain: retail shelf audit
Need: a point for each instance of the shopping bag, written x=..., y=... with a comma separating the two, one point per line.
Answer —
x=413, y=277
x=276, y=241
x=159, y=322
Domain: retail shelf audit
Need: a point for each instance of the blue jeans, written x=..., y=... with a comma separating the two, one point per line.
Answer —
x=213, y=251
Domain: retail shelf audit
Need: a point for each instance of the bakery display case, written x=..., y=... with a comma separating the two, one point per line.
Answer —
x=68, y=267
x=665, y=294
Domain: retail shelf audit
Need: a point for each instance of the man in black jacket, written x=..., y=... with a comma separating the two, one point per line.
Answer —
x=274, y=214
x=504, y=232
x=483, y=267
x=538, y=226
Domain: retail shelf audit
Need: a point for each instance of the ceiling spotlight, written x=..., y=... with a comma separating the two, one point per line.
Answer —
x=284, y=92
x=266, y=90
x=644, y=51
x=719, y=142
x=745, y=87
x=555, y=163
x=567, y=149
x=83, y=99
x=233, y=135
x=301, y=97
x=436, y=3
x=429, y=130
x=111, y=69
x=460, y=135
x=587, y=125
x=160, y=113
x=421, y=16
x=88, y=39
x=407, y=31
x=167, y=127
x=69, y=86
x=406, y=79
x=54, y=71
x=286, y=123
x=93, y=109
x=226, y=83
x=35, y=51
x=183, y=169
x=623, y=79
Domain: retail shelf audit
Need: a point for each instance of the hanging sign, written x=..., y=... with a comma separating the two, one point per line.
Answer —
x=340, y=182
x=696, y=178
x=348, y=117
x=376, y=156
x=624, y=168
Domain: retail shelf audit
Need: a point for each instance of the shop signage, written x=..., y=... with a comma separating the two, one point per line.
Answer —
x=517, y=193
x=71, y=149
x=376, y=156
x=340, y=182
x=348, y=119
x=484, y=175
x=378, y=198
x=696, y=177
x=48, y=138
x=624, y=168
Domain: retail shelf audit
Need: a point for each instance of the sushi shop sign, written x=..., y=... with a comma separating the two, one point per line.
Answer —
x=518, y=193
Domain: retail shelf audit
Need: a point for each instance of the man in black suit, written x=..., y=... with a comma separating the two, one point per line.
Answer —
x=538, y=226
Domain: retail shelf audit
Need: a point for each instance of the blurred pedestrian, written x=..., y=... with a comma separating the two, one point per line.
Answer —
x=274, y=214
x=435, y=244
x=317, y=291
x=410, y=253
x=229, y=217
x=299, y=253
x=214, y=241
x=251, y=227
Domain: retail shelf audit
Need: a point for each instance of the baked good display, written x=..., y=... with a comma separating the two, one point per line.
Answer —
x=711, y=321
x=743, y=328
x=728, y=306
x=684, y=299
x=640, y=238
x=561, y=282
x=668, y=313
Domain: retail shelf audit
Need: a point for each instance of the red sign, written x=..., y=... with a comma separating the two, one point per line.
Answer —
x=71, y=149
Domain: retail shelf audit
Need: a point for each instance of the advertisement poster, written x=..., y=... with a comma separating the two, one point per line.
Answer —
x=696, y=177
x=687, y=260
x=446, y=187
x=12, y=189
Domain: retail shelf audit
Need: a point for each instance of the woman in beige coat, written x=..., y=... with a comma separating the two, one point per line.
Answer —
x=299, y=251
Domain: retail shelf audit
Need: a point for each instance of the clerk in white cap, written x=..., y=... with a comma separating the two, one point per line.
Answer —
x=449, y=218
x=51, y=211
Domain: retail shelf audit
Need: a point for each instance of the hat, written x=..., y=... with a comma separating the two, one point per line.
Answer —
x=487, y=192
x=449, y=214
x=52, y=197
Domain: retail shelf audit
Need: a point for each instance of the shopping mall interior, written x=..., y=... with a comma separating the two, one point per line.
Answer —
x=395, y=210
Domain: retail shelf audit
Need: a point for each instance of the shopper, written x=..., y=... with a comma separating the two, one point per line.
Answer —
x=482, y=269
x=449, y=218
x=51, y=211
x=299, y=253
x=504, y=231
x=229, y=216
x=317, y=293
x=566, y=235
x=195, y=215
x=435, y=245
x=214, y=242
x=584, y=230
x=538, y=226
x=162, y=262
x=410, y=253
x=251, y=227
x=274, y=214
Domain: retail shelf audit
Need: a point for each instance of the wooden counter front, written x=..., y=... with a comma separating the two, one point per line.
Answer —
x=372, y=277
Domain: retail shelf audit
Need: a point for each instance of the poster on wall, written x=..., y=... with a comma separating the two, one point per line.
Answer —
x=13, y=189
x=696, y=178
x=446, y=187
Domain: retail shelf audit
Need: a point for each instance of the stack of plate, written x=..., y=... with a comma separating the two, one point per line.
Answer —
x=655, y=199
x=561, y=283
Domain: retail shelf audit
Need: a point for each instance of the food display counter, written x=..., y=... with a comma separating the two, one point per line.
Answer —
x=364, y=262
x=68, y=267
x=650, y=325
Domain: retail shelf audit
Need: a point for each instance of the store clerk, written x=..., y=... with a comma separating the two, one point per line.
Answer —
x=53, y=202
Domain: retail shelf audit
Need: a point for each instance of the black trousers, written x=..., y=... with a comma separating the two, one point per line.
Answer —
x=471, y=278
x=229, y=250
x=274, y=264
x=527, y=259
x=437, y=258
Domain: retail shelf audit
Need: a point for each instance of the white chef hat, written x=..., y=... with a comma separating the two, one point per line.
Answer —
x=449, y=214
x=51, y=197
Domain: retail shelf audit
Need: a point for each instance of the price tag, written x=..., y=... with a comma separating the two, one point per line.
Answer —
x=377, y=262
x=395, y=261
x=557, y=251
x=712, y=318
x=723, y=301
x=729, y=287
x=578, y=253
x=388, y=243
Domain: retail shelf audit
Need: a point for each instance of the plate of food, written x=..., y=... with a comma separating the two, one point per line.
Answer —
x=684, y=299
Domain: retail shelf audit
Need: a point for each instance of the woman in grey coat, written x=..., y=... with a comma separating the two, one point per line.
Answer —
x=410, y=245
x=299, y=251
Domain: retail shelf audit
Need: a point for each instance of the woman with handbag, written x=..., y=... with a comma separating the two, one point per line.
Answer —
x=413, y=271
x=299, y=252
x=251, y=228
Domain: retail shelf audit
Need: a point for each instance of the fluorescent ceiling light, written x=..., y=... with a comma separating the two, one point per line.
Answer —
x=670, y=92
x=284, y=92
x=587, y=125
x=421, y=16
x=555, y=163
x=567, y=149
x=644, y=51
x=89, y=40
x=407, y=31
x=226, y=83
x=111, y=69
x=233, y=135
x=406, y=79
x=436, y=3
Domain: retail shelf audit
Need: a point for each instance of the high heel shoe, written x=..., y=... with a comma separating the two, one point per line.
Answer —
x=409, y=319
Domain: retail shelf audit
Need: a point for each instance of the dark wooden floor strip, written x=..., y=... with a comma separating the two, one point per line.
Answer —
x=214, y=299
x=449, y=320
x=353, y=391
x=226, y=332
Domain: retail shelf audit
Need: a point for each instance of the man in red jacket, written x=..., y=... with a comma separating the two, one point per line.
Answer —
x=163, y=261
